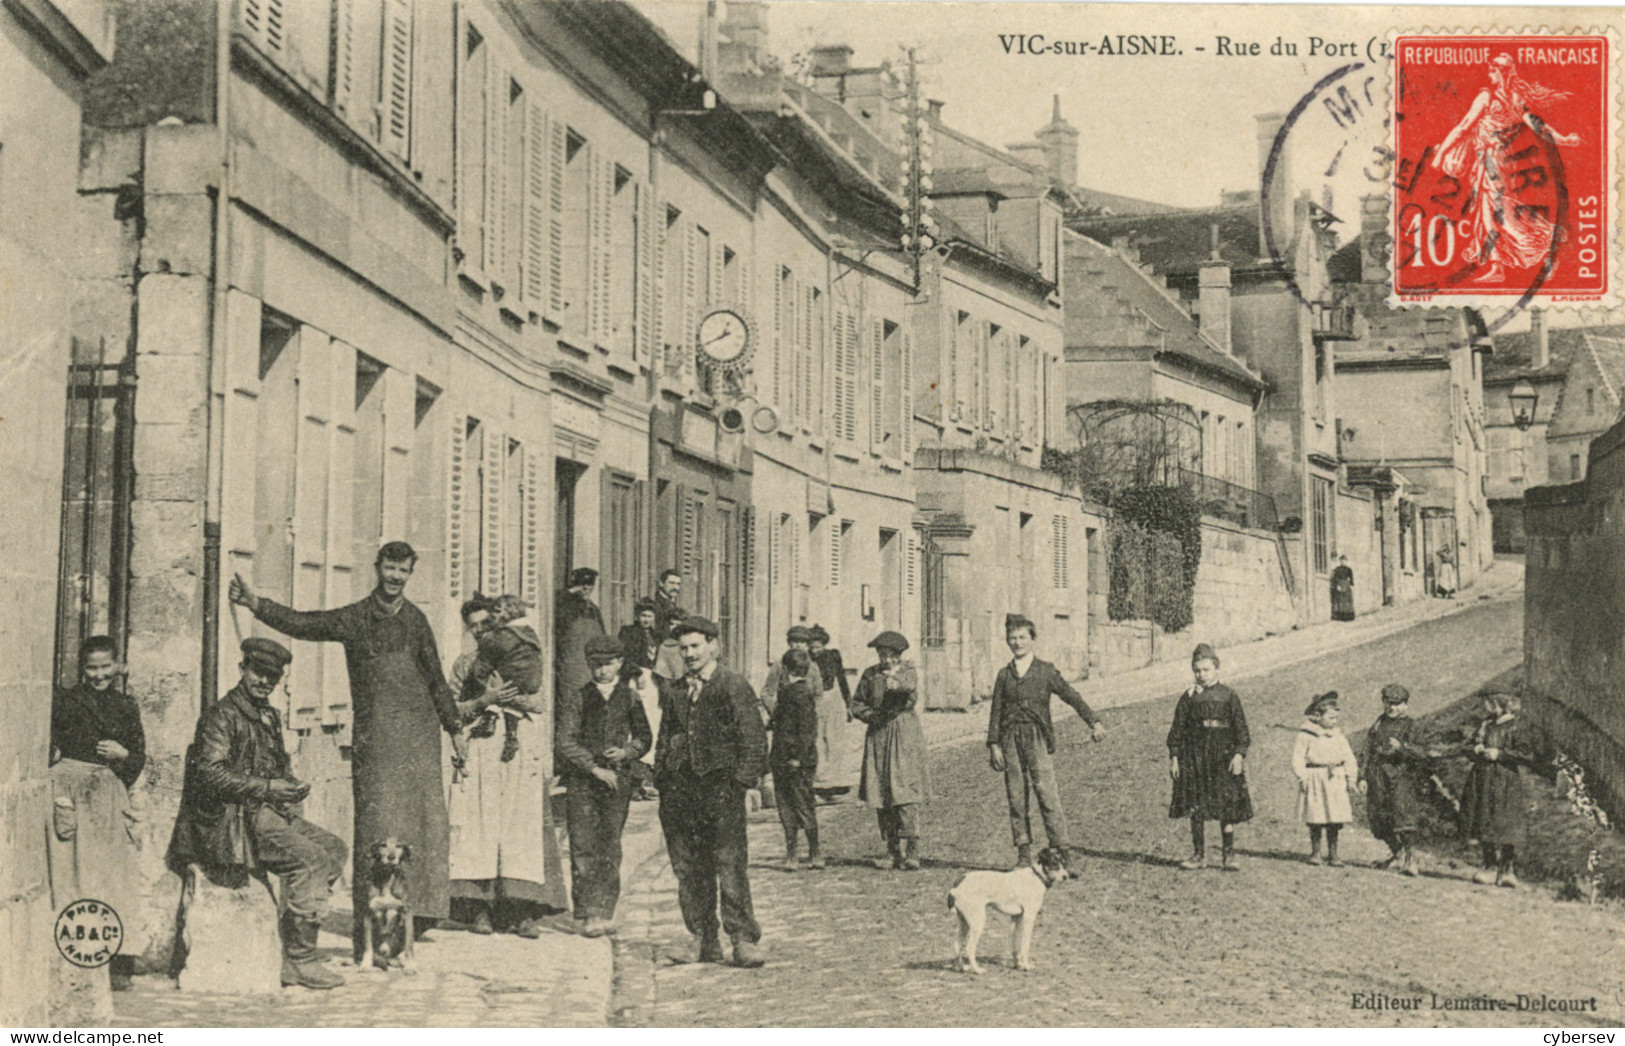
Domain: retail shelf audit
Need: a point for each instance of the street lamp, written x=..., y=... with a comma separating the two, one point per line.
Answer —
x=1523, y=399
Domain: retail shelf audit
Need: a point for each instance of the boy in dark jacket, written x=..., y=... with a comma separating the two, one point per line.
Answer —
x=794, y=756
x=602, y=733
x=513, y=651
x=1021, y=737
x=1395, y=759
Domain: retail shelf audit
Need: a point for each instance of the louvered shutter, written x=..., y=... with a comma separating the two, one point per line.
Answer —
x=837, y=383
x=745, y=285
x=344, y=48
x=984, y=375
x=834, y=526
x=603, y=251
x=877, y=388
x=1059, y=552
x=533, y=282
x=494, y=458
x=647, y=343
x=691, y=280
x=515, y=195
x=555, y=218
x=910, y=566
x=395, y=78
x=495, y=121
x=687, y=562
x=780, y=399
x=717, y=294
x=804, y=360
x=593, y=321
x=906, y=399
x=532, y=556
x=850, y=376
x=1011, y=388
x=338, y=555
x=265, y=23
x=956, y=380
x=311, y=480
x=457, y=489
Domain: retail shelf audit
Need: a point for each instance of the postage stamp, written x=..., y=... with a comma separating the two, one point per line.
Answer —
x=1504, y=190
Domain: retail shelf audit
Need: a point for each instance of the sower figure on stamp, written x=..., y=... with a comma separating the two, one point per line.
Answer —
x=894, y=778
x=602, y=733
x=712, y=750
x=400, y=702
x=1021, y=736
x=240, y=811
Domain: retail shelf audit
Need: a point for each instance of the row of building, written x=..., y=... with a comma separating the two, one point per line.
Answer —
x=309, y=278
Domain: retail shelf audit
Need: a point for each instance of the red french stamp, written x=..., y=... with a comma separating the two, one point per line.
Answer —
x=1504, y=187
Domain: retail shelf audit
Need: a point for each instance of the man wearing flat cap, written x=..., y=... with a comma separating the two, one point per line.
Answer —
x=712, y=750
x=400, y=704
x=799, y=637
x=576, y=619
x=894, y=757
x=601, y=734
x=240, y=811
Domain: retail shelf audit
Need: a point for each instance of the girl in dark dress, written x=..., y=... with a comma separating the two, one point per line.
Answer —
x=1395, y=759
x=1207, y=755
x=1493, y=805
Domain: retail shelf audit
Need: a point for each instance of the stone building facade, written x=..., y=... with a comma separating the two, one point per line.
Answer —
x=49, y=51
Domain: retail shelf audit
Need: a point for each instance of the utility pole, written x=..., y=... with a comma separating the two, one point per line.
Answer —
x=919, y=226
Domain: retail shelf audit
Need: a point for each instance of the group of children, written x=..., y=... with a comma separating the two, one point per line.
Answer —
x=1207, y=747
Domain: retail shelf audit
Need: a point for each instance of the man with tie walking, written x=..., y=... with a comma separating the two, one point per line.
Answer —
x=712, y=749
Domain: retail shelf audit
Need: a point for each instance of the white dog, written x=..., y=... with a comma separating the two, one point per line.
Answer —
x=1018, y=893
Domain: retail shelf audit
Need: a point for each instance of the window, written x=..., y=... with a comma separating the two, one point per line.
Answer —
x=677, y=323
x=1574, y=467
x=621, y=526
x=1591, y=401
x=1321, y=535
x=623, y=260
x=472, y=145
x=846, y=376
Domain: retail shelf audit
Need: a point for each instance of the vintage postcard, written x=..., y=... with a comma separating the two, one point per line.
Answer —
x=658, y=513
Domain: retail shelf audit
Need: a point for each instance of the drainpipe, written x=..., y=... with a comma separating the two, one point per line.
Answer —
x=214, y=404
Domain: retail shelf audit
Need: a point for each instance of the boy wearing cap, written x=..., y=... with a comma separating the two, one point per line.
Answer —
x=239, y=810
x=794, y=758
x=894, y=778
x=1021, y=736
x=712, y=749
x=1395, y=758
x=602, y=733
x=798, y=637
x=576, y=619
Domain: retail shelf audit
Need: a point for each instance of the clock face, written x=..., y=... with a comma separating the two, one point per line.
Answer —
x=724, y=336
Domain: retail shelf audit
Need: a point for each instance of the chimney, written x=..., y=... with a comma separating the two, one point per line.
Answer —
x=1276, y=203
x=1060, y=140
x=831, y=60
x=745, y=23
x=708, y=41
x=1213, y=290
x=935, y=114
x=1542, y=349
x=1375, y=241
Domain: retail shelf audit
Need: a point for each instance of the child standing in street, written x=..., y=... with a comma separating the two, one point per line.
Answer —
x=1207, y=756
x=1393, y=755
x=1323, y=763
x=1493, y=803
x=794, y=756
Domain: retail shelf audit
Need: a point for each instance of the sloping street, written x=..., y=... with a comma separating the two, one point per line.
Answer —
x=1134, y=940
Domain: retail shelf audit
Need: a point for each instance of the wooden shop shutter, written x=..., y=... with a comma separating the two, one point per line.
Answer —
x=395, y=78
x=906, y=402
x=494, y=457
x=456, y=492
x=555, y=217
x=877, y=386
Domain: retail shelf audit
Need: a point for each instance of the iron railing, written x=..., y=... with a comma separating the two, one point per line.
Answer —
x=1224, y=500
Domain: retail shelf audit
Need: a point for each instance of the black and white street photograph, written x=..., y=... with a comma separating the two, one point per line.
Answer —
x=875, y=514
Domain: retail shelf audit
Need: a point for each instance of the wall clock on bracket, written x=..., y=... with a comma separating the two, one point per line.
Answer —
x=725, y=339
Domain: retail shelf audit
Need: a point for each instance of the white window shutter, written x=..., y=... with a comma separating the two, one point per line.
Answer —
x=603, y=262
x=1059, y=553
x=805, y=361
x=780, y=399
x=343, y=86
x=494, y=458
x=849, y=374
x=532, y=556
x=555, y=217
x=395, y=78
x=457, y=489
x=910, y=566
x=496, y=82
x=906, y=413
x=265, y=23
x=533, y=284
x=877, y=386
x=956, y=380
x=834, y=526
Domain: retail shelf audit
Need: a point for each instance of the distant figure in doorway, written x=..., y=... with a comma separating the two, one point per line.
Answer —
x=834, y=711
x=1445, y=581
x=1342, y=590
x=576, y=619
x=1207, y=760
x=894, y=778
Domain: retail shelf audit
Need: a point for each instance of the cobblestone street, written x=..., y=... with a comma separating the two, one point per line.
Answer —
x=1135, y=940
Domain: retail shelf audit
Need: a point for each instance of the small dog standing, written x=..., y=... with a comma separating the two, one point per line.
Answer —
x=388, y=930
x=1018, y=893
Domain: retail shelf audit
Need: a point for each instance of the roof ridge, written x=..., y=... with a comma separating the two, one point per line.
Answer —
x=1602, y=371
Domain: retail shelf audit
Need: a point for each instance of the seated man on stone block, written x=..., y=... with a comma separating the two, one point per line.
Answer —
x=240, y=811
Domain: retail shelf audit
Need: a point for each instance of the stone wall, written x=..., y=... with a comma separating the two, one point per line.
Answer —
x=1240, y=596
x=1574, y=615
